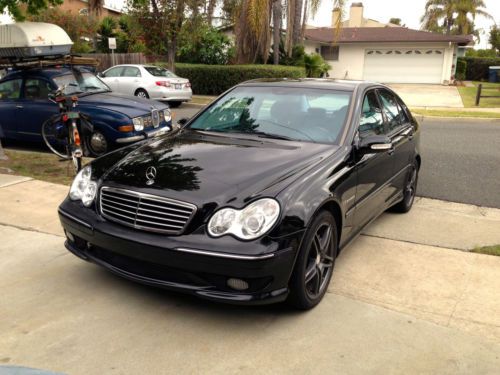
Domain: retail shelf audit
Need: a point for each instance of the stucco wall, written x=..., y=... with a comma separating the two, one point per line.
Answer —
x=352, y=57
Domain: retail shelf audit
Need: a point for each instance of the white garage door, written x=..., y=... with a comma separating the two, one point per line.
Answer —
x=404, y=65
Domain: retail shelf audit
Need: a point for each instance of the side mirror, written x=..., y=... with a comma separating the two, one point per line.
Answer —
x=183, y=121
x=375, y=144
x=100, y=74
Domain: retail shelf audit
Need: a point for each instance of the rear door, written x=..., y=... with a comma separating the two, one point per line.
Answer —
x=374, y=171
x=400, y=130
x=130, y=80
x=112, y=78
x=10, y=105
x=36, y=108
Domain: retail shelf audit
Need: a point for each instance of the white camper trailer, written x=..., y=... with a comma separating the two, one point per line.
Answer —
x=33, y=40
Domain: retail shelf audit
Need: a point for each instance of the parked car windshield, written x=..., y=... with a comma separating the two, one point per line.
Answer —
x=77, y=82
x=303, y=114
x=159, y=72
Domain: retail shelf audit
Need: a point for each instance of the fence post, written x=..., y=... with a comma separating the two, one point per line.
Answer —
x=478, y=93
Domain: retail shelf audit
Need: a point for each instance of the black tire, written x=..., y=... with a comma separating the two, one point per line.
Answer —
x=141, y=93
x=174, y=104
x=316, y=260
x=96, y=144
x=52, y=140
x=409, y=191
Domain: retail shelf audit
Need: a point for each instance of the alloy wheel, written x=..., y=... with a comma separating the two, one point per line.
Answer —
x=320, y=261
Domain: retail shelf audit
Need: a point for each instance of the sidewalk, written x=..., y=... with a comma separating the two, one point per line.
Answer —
x=405, y=298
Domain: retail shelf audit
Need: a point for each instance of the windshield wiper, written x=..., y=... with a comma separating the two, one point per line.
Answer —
x=272, y=135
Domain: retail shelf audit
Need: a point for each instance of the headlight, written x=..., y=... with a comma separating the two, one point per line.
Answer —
x=167, y=115
x=249, y=223
x=83, y=188
x=138, y=123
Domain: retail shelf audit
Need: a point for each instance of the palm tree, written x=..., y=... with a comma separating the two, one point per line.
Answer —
x=452, y=16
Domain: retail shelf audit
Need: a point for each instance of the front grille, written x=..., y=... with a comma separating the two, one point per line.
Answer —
x=155, y=115
x=144, y=211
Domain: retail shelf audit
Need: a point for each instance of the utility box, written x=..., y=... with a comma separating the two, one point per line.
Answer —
x=494, y=74
x=32, y=40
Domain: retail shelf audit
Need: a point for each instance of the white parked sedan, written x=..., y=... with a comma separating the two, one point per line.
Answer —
x=148, y=81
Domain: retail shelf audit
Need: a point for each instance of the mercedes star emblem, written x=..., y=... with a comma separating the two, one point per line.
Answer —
x=150, y=175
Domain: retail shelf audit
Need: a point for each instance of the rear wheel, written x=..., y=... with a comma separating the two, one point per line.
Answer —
x=141, y=93
x=174, y=104
x=409, y=192
x=314, y=267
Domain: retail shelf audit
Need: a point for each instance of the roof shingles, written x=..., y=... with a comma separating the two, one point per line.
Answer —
x=381, y=34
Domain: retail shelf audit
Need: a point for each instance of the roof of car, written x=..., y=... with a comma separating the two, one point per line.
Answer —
x=49, y=72
x=317, y=83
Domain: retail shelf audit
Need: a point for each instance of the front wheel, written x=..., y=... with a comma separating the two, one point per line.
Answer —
x=314, y=267
x=96, y=144
x=55, y=136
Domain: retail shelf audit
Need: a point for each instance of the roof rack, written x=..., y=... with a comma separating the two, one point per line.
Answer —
x=47, y=61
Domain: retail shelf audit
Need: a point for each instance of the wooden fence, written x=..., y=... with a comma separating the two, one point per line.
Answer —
x=481, y=89
x=106, y=59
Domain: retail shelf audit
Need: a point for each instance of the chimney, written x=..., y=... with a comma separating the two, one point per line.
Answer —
x=356, y=15
x=335, y=17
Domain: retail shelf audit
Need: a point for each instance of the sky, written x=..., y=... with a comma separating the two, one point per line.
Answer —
x=409, y=11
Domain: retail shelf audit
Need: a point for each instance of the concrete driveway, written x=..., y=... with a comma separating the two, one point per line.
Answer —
x=403, y=301
x=418, y=95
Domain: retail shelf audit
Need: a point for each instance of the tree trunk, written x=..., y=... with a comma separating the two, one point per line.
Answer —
x=210, y=11
x=2, y=153
x=171, y=52
x=297, y=22
x=277, y=17
x=304, y=20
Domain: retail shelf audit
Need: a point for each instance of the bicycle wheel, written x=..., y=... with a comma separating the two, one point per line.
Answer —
x=55, y=136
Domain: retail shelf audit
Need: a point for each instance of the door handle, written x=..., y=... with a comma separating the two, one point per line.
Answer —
x=19, y=106
x=391, y=151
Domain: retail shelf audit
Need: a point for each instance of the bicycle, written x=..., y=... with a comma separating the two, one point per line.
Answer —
x=63, y=132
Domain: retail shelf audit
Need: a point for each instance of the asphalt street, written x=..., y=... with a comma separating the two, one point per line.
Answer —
x=461, y=161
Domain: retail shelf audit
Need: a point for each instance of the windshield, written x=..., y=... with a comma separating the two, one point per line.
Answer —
x=314, y=115
x=159, y=72
x=78, y=82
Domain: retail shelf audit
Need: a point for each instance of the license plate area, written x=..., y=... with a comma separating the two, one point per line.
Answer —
x=178, y=86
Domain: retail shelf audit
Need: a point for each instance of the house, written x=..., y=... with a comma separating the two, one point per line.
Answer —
x=113, y=8
x=371, y=50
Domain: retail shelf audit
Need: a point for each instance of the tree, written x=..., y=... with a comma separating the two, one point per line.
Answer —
x=452, y=16
x=2, y=153
x=204, y=45
x=20, y=8
x=395, y=21
x=277, y=19
x=494, y=39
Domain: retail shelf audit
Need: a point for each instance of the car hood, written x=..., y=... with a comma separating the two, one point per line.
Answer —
x=199, y=167
x=128, y=105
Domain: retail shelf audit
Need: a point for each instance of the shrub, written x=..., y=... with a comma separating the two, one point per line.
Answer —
x=461, y=69
x=478, y=68
x=215, y=79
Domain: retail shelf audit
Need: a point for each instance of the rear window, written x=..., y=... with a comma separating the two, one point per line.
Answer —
x=159, y=72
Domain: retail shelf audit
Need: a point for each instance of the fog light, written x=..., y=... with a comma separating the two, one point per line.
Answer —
x=237, y=284
x=70, y=236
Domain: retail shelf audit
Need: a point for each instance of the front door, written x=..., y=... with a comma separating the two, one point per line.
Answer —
x=374, y=171
x=36, y=108
x=130, y=80
x=10, y=105
x=112, y=78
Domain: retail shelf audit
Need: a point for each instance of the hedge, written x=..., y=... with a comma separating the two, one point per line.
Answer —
x=215, y=79
x=478, y=67
x=461, y=70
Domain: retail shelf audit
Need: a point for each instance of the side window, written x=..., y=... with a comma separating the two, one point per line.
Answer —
x=114, y=72
x=131, y=71
x=391, y=109
x=10, y=89
x=36, y=89
x=371, y=122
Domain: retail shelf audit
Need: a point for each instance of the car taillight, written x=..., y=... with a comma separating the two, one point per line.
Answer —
x=188, y=84
x=163, y=83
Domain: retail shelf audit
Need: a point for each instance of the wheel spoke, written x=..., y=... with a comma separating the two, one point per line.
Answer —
x=318, y=281
x=311, y=273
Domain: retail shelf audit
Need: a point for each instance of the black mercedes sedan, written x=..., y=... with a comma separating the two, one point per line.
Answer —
x=252, y=199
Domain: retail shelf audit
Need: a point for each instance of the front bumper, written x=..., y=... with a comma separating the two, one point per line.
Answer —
x=174, y=263
x=146, y=134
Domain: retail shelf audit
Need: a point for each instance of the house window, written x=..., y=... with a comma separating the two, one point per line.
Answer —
x=330, y=53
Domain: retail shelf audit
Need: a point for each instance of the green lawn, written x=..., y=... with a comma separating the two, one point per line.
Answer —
x=489, y=250
x=454, y=113
x=468, y=95
x=42, y=166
